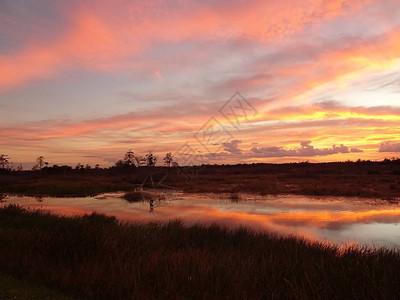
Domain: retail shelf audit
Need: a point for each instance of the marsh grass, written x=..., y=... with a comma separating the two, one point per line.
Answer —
x=96, y=257
x=14, y=288
x=364, y=179
x=73, y=186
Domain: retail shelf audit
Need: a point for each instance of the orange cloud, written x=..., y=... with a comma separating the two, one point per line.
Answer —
x=109, y=37
x=102, y=37
x=329, y=69
x=355, y=127
x=304, y=217
x=89, y=41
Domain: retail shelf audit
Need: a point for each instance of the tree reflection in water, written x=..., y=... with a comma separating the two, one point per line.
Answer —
x=151, y=203
x=3, y=198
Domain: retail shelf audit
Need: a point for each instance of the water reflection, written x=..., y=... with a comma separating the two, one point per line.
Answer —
x=329, y=218
x=3, y=198
x=151, y=203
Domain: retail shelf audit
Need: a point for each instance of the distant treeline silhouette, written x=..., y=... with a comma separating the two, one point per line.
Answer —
x=130, y=161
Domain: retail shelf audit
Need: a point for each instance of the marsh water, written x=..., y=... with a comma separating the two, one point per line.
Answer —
x=330, y=219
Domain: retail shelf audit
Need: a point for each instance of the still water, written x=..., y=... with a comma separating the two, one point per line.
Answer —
x=330, y=219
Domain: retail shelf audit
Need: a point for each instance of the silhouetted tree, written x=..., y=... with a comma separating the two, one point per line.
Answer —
x=40, y=162
x=129, y=158
x=168, y=159
x=4, y=161
x=97, y=166
x=120, y=163
x=151, y=160
x=2, y=197
x=140, y=161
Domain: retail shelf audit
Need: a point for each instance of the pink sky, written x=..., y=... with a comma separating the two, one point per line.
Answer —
x=84, y=81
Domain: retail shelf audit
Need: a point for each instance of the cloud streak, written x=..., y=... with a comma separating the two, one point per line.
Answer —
x=305, y=150
x=102, y=36
x=389, y=147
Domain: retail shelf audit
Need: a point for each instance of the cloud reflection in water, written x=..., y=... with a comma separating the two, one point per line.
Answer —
x=329, y=218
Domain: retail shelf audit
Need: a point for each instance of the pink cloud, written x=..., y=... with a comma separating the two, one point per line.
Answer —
x=104, y=35
x=305, y=149
x=389, y=147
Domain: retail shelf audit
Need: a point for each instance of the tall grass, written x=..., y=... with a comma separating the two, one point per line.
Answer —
x=96, y=257
x=12, y=288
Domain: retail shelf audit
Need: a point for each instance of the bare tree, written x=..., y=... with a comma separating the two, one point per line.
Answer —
x=168, y=159
x=40, y=162
x=4, y=161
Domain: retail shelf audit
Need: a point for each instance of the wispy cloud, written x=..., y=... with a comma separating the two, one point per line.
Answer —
x=104, y=36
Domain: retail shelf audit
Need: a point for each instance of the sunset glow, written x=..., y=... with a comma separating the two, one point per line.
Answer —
x=85, y=81
x=329, y=219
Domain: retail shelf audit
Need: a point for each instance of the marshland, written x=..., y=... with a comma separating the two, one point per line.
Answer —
x=234, y=231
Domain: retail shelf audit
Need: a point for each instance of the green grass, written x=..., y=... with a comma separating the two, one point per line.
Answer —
x=96, y=257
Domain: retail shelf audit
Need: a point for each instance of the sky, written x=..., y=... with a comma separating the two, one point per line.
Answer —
x=220, y=81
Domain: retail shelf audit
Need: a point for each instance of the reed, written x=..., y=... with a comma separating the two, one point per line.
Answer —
x=97, y=257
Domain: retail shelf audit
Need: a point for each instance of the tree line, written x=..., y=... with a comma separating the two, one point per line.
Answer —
x=149, y=160
x=130, y=160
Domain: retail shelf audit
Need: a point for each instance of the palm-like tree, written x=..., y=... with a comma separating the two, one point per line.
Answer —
x=151, y=159
x=129, y=158
x=168, y=159
x=4, y=161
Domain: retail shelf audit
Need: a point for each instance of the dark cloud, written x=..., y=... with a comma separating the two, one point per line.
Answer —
x=389, y=147
x=305, y=149
x=232, y=147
